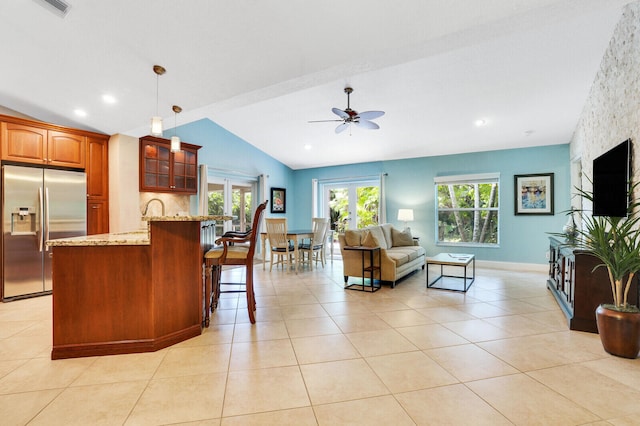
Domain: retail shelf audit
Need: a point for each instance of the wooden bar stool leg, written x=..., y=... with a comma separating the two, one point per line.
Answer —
x=217, y=272
x=251, y=297
x=207, y=293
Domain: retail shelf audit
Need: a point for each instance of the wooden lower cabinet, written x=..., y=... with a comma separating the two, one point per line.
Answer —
x=578, y=289
x=115, y=299
x=97, y=217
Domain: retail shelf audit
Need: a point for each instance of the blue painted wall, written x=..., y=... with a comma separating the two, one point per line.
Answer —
x=222, y=149
x=409, y=185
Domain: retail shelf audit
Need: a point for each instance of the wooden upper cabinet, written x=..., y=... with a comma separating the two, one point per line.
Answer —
x=97, y=167
x=97, y=185
x=164, y=171
x=31, y=144
x=23, y=143
x=66, y=149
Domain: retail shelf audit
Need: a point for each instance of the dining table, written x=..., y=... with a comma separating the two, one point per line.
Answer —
x=296, y=236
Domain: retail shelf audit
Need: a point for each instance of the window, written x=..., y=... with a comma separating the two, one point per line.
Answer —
x=467, y=210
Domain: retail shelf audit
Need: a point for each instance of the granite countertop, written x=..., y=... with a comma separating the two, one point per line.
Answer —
x=185, y=218
x=130, y=238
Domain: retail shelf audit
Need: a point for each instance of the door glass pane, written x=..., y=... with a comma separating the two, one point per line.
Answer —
x=368, y=200
x=216, y=204
x=339, y=209
x=216, y=199
x=241, y=196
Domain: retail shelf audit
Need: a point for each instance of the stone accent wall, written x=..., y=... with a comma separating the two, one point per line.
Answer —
x=612, y=111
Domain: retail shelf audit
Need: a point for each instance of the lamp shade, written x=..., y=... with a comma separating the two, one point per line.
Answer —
x=405, y=215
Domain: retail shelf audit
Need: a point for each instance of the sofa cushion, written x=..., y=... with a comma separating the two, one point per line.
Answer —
x=405, y=254
x=401, y=238
x=377, y=232
x=352, y=237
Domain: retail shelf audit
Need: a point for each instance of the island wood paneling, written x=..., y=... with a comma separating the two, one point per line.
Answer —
x=118, y=299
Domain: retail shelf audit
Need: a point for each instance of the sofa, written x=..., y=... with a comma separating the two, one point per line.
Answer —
x=400, y=253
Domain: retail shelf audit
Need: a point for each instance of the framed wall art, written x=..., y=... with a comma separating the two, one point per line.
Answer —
x=534, y=194
x=278, y=200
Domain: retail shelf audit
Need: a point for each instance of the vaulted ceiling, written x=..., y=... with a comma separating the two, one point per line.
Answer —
x=263, y=69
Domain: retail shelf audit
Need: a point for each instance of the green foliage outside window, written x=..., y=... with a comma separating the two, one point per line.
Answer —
x=468, y=212
x=367, y=206
x=216, y=205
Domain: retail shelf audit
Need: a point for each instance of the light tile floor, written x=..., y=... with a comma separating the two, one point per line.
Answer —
x=500, y=354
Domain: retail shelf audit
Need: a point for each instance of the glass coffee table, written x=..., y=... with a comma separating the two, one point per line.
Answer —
x=452, y=282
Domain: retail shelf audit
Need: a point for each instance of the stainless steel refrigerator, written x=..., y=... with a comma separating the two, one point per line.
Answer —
x=37, y=205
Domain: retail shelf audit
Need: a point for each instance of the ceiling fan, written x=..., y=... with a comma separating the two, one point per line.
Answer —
x=349, y=116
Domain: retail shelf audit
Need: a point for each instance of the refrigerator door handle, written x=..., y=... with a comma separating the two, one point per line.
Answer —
x=41, y=205
x=46, y=213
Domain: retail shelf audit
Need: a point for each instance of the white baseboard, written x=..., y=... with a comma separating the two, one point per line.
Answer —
x=512, y=266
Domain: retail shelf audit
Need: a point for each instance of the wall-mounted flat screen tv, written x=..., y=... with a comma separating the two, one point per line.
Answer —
x=611, y=175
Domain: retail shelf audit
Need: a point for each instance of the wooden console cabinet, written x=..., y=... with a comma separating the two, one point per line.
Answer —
x=577, y=287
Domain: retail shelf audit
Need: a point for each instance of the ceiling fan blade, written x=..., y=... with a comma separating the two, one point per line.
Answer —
x=322, y=121
x=371, y=115
x=342, y=127
x=367, y=124
x=340, y=113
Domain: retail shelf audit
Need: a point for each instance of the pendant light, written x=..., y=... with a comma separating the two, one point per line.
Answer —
x=156, y=121
x=175, y=140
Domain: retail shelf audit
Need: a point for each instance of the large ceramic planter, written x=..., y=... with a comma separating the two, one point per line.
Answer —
x=619, y=331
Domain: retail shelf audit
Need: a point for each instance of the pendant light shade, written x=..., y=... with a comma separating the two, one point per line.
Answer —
x=156, y=126
x=156, y=121
x=175, y=144
x=175, y=140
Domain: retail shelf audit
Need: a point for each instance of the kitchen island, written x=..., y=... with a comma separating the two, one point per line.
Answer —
x=130, y=292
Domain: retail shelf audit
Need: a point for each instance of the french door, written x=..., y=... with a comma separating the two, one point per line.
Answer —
x=351, y=205
x=234, y=198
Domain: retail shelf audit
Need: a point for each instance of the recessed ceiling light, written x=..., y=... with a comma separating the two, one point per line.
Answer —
x=108, y=99
x=480, y=123
x=80, y=112
x=307, y=147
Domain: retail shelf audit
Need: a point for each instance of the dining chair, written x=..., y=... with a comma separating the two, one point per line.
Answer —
x=312, y=249
x=279, y=245
x=232, y=250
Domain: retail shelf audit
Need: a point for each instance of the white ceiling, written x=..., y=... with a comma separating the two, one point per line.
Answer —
x=263, y=68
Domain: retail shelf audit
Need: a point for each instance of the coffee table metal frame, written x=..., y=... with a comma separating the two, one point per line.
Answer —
x=452, y=259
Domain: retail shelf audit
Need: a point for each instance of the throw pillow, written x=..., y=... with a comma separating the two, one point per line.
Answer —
x=352, y=238
x=370, y=240
x=401, y=238
x=377, y=232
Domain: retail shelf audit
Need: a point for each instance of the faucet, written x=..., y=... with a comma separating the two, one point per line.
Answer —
x=146, y=207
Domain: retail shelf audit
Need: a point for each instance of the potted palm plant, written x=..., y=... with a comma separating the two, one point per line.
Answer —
x=615, y=241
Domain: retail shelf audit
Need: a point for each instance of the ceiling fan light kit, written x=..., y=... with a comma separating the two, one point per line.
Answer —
x=349, y=116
